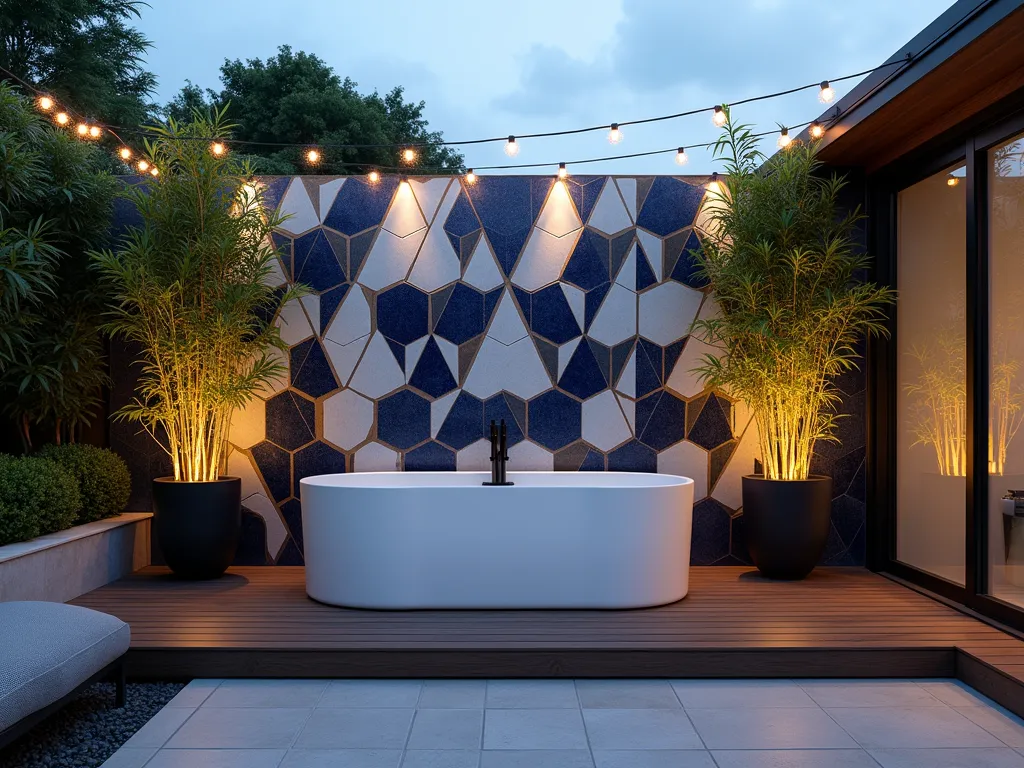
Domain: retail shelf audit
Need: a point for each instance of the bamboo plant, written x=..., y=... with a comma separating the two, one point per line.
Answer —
x=780, y=255
x=194, y=293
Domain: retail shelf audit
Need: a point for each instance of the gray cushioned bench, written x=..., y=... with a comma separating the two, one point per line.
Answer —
x=48, y=651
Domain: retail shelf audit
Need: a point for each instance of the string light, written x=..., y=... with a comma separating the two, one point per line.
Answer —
x=154, y=171
x=217, y=148
x=143, y=166
x=408, y=155
x=681, y=157
x=614, y=134
x=827, y=93
x=373, y=177
x=312, y=157
x=511, y=147
x=719, y=117
x=562, y=172
x=94, y=131
x=952, y=181
x=45, y=103
x=62, y=118
x=784, y=139
x=817, y=130
x=83, y=129
x=125, y=153
x=470, y=177
x=714, y=185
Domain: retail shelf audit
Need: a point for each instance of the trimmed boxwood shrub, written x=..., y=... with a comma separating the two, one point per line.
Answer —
x=102, y=475
x=37, y=496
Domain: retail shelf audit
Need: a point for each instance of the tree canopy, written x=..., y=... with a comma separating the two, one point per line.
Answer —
x=297, y=98
x=84, y=52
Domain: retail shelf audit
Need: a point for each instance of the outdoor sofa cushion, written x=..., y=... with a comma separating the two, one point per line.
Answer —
x=49, y=649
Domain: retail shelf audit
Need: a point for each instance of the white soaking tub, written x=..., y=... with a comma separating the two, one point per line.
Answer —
x=398, y=540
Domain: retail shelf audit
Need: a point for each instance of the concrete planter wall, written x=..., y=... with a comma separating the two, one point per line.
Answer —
x=61, y=566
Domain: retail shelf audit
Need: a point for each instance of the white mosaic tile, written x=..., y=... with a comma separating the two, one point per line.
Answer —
x=348, y=417
x=616, y=319
x=297, y=206
x=610, y=215
x=558, y=217
x=377, y=373
x=667, y=312
x=604, y=424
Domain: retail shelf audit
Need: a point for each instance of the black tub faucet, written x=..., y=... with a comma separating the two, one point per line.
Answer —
x=499, y=454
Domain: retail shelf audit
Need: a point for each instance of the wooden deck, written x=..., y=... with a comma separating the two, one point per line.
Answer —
x=840, y=622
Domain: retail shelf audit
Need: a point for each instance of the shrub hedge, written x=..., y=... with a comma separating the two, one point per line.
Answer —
x=37, y=496
x=102, y=475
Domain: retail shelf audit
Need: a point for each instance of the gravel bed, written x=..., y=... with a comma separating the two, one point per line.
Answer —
x=89, y=729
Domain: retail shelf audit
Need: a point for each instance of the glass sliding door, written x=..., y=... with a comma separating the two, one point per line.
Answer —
x=931, y=397
x=1005, y=168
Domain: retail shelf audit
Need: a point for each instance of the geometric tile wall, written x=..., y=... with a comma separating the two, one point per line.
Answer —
x=562, y=307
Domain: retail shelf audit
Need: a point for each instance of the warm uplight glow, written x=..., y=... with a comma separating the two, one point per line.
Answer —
x=94, y=131
x=62, y=118
x=827, y=94
x=719, y=117
x=784, y=139
x=83, y=129
x=45, y=103
x=952, y=181
x=614, y=134
x=403, y=182
x=511, y=147
x=714, y=185
x=217, y=148
x=409, y=155
x=681, y=157
x=143, y=166
x=125, y=153
x=817, y=130
x=373, y=177
x=470, y=177
x=562, y=172
x=154, y=171
x=312, y=157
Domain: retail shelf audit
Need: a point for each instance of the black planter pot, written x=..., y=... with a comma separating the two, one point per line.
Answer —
x=786, y=523
x=198, y=525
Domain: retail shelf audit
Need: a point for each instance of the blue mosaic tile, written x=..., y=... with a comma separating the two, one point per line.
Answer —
x=316, y=264
x=848, y=517
x=398, y=351
x=463, y=315
x=594, y=462
x=687, y=269
x=461, y=220
x=667, y=424
x=711, y=428
x=252, y=540
x=310, y=371
x=464, y=423
x=592, y=303
x=291, y=420
x=644, y=410
x=329, y=302
x=316, y=459
x=402, y=313
x=403, y=419
x=432, y=374
x=358, y=248
x=291, y=511
x=273, y=190
x=503, y=204
x=283, y=244
x=552, y=317
x=540, y=186
x=360, y=204
x=843, y=471
x=588, y=265
x=709, y=541
x=570, y=458
x=669, y=206
x=634, y=456
x=645, y=277
x=430, y=457
x=654, y=355
x=555, y=420
x=525, y=301
x=510, y=408
x=583, y=376
x=836, y=551
x=275, y=465
x=584, y=191
x=290, y=554
x=738, y=540
x=672, y=352
x=490, y=302
x=647, y=379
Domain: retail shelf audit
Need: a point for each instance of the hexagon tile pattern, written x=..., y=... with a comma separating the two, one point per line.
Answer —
x=564, y=308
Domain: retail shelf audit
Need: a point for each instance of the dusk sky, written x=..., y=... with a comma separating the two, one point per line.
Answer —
x=488, y=68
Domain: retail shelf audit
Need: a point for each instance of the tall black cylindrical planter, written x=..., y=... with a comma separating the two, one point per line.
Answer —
x=198, y=524
x=786, y=523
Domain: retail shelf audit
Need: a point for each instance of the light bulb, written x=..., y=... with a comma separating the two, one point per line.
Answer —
x=62, y=118
x=827, y=93
x=409, y=155
x=470, y=177
x=94, y=131
x=952, y=181
x=125, y=153
x=614, y=134
x=153, y=171
x=403, y=181
x=143, y=166
x=681, y=157
x=719, y=117
x=817, y=130
x=373, y=177
x=784, y=139
x=83, y=129
x=511, y=148
x=312, y=157
x=217, y=148
x=45, y=103
x=562, y=172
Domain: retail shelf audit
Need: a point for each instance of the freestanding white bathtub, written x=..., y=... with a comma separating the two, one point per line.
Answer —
x=399, y=540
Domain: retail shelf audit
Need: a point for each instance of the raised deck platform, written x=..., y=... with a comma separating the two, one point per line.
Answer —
x=840, y=622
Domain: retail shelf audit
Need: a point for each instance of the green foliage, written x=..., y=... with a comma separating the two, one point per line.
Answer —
x=194, y=291
x=782, y=262
x=297, y=98
x=36, y=497
x=102, y=477
x=83, y=52
x=55, y=203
